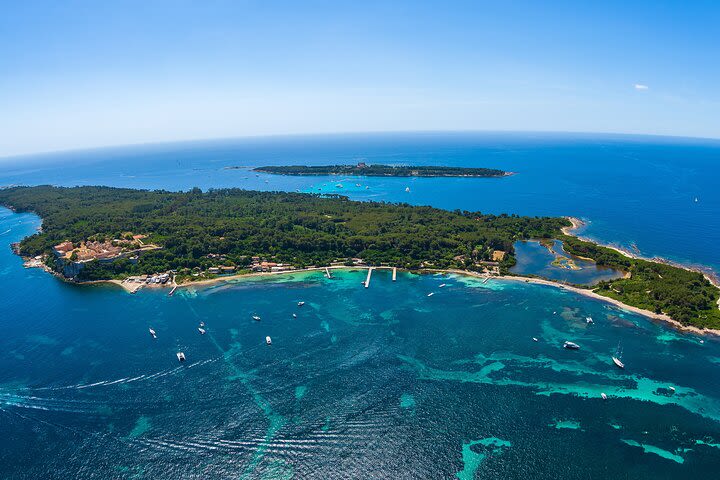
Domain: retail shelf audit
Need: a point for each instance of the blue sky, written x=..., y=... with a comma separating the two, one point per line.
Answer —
x=85, y=74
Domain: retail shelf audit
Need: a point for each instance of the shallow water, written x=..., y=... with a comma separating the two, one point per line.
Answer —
x=377, y=382
x=535, y=259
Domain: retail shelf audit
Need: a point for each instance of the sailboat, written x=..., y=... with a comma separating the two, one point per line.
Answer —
x=616, y=358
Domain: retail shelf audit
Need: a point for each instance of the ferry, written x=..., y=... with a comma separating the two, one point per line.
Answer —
x=571, y=346
x=201, y=330
x=152, y=332
x=180, y=356
x=256, y=318
x=268, y=340
x=300, y=304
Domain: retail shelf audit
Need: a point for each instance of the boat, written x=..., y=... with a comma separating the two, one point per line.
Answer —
x=152, y=332
x=407, y=189
x=294, y=315
x=180, y=356
x=604, y=397
x=431, y=294
x=618, y=355
x=300, y=304
x=367, y=187
x=672, y=389
x=589, y=320
x=268, y=340
x=339, y=185
x=358, y=185
x=442, y=285
x=571, y=345
x=201, y=330
x=535, y=339
x=202, y=324
x=256, y=318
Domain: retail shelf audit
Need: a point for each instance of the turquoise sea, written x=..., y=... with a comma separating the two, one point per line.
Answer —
x=383, y=382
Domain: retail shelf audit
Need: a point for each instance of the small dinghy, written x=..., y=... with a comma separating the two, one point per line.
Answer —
x=589, y=320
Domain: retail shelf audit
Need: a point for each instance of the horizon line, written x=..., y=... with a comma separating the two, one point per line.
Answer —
x=342, y=133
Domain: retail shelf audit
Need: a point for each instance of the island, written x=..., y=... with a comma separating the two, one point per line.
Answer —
x=371, y=170
x=104, y=233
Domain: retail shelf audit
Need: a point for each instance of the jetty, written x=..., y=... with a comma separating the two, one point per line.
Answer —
x=394, y=273
x=172, y=291
x=367, y=280
x=327, y=273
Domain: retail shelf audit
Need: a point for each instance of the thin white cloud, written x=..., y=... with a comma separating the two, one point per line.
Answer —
x=640, y=86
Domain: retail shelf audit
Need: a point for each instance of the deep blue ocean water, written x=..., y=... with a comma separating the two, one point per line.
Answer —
x=383, y=382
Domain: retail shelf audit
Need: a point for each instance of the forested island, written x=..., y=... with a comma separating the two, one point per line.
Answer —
x=362, y=169
x=113, y=233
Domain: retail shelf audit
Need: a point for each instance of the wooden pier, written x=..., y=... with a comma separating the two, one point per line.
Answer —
x=367, y=280
x=327, y=273
x=394, y=273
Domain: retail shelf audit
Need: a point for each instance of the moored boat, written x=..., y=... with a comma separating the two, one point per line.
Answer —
x=152, y=332
x=268, y=340
x=300, y=304
x=201, y=330
x=256, y=318
x=617, y=362
x=180, y=356
x=571, y=345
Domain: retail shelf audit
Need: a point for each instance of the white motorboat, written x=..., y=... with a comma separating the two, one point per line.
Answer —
x=152, y=332
x=617, y=362
x=571, y=346
x=256, y=318
x=300, y=304
x=268, y=340
x=431, y=294
x=442, y=285
x=201, y=330
x=535, y=339
x=604, y=397
x=294, y=315
x=589, y=320
x=180, y=356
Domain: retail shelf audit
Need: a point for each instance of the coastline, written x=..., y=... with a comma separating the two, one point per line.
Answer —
x=578, y=224
x=509, y=278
